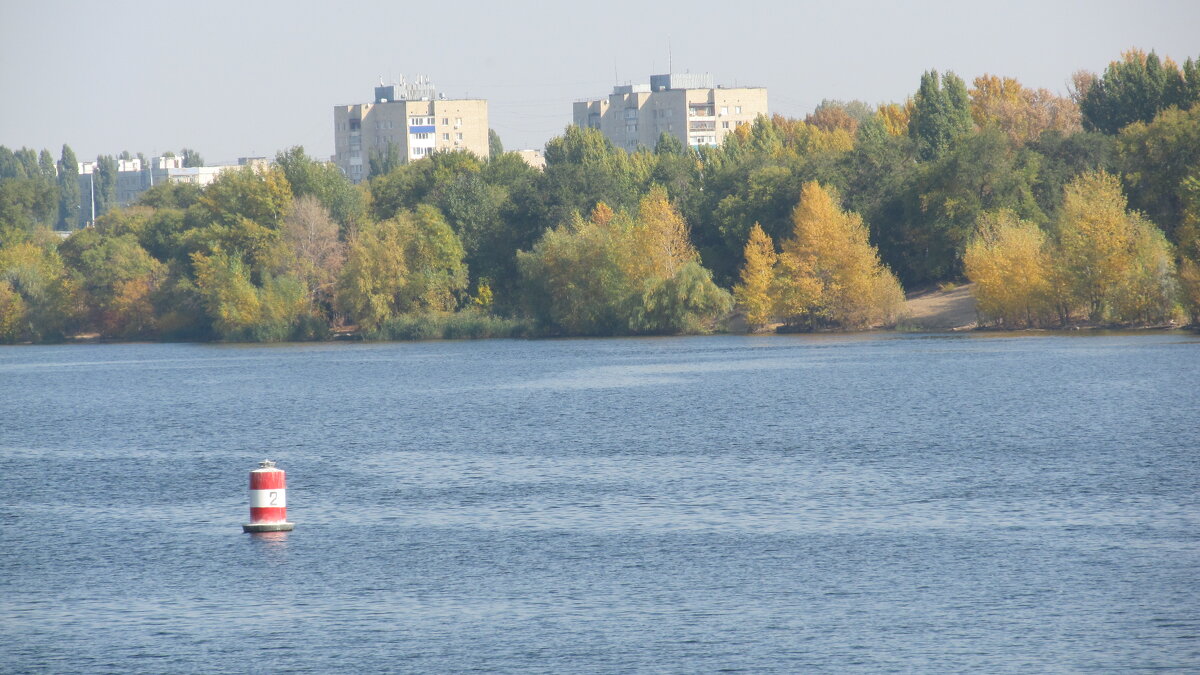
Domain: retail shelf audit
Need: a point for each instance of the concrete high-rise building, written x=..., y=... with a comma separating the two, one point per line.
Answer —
x=684, y=105
x=412, y=118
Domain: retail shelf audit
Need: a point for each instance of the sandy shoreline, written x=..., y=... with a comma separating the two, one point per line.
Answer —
x=937, y=310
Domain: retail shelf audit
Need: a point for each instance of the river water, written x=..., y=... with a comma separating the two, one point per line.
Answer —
x=911, y=503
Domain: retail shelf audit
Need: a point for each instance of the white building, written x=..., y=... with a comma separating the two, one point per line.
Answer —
x=134, y=178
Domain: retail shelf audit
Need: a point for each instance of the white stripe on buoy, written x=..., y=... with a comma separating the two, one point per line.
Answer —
x=268, y=498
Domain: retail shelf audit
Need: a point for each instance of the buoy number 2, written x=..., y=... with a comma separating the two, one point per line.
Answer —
x=274, y=498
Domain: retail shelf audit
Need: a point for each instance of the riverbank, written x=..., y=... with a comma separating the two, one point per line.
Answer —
x=935, y=310
x=938, y=309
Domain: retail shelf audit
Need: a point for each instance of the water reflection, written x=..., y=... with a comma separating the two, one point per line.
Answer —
x=272, y=546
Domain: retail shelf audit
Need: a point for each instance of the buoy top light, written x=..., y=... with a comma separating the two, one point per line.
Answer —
x=266, y=464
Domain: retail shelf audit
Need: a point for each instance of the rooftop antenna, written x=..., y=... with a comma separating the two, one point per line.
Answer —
x=615, y=79
x=670, y=57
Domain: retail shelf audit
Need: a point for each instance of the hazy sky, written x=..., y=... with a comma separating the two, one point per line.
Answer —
x=249, y=78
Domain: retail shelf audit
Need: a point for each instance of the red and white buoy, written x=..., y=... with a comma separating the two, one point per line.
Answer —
x=268, y=500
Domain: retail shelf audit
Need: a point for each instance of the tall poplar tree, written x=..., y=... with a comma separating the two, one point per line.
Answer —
x=68, y=190
x=941, y=113
x=106, y=184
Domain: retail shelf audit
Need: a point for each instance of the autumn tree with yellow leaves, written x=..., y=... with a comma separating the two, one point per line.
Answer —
x=1023, y=114
x=1110, y=253
x=894, y=117
x=1106, y=263
x=828, y=273
x=753, y=293
x=1009, y=262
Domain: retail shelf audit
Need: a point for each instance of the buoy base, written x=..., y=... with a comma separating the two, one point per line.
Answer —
x=268, y=527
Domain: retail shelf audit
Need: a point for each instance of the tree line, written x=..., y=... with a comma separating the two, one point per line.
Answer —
x=1083, y=207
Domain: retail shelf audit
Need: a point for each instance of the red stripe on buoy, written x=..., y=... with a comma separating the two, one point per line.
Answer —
x=267, y=479
x=268, y=515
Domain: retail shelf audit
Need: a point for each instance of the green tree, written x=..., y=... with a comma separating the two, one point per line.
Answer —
x=68, y=190
x=244, y=311
x=1188, y=237
x=1135, y=89
x=495, y=146
x=1062, y=157
x=583, y=169
x=409, y=264
x=118, y=278
x=10, y=165
x=324, y=181
x=941, y=113
x=1156, y=158
x=28, y=191
x=472, y=208
x=408, y=186
x=262, y=196
x=191, y=158
x=382, y=161
x=172, y=195
x=104, y=176
x=686, y=302
x=923, y=239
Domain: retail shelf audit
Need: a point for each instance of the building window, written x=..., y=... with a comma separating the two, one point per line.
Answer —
x=458, y=135
x=724, y=110
x=457, y=121
x=737, y=110
x=445, y=137
x=445, y=121
x=724, y=125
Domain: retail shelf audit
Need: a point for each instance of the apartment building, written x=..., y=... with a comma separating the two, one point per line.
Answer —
x=685, y=105
x=412, y=118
